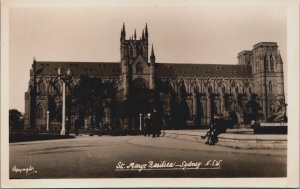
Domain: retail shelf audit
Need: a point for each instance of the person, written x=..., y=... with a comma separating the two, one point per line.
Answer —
x=217, y=125
x=212, y=127
x=253, y=124
x=148, y=124
x=76, y=124
x=169, y=120
x=155, y=123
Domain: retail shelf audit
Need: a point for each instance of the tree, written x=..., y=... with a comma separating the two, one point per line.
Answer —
x=89, y=95
x=16, y=120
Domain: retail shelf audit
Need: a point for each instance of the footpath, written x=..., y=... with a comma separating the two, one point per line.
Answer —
x=241, y=138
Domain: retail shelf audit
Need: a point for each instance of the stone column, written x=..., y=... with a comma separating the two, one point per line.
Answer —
x=194, y=104
x=222, y=97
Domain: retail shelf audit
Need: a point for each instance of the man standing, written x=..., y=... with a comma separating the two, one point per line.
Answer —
x=76, y=124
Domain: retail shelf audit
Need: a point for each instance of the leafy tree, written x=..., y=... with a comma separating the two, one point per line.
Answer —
x=54, y=113
x=88, y=98
x=16, y=120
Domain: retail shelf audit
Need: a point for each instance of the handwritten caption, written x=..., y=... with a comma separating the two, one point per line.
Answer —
x=28, y=171
x=166, y=165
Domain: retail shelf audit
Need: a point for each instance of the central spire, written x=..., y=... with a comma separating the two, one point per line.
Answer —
x=134, y=33
x=146, y=30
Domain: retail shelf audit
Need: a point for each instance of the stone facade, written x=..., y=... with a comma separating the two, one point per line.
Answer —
x=208, y=88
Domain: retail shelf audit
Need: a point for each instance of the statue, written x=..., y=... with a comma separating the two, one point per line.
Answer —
x=278, y=111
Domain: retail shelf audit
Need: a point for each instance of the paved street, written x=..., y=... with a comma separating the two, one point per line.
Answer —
x=98, y=157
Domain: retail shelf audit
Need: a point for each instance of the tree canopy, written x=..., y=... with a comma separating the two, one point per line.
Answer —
x=16, y=120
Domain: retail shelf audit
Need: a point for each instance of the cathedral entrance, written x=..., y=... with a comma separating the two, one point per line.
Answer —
x=140, y=101
x=142, y=97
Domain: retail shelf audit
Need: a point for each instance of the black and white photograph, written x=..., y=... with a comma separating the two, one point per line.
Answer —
x=188, y=93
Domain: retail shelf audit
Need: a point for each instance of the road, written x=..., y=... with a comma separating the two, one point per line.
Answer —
x=99, y=157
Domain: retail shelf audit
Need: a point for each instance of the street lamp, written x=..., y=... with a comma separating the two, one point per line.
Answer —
x=140, y=121
x=64, y=78
x=48, y=120
x=106, y=119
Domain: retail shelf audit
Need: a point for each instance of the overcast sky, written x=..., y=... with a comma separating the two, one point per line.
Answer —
x=189, y=32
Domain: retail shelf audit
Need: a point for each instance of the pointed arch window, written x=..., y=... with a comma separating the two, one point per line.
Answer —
x=271, y=62
x=140, y=83
x=236, y=89
x=210, y=89
x=266, y=63
x=55, y=88
x=42, y=87
x=139, y=68
x=223, y=89
x=40, y=111
x=270, y=86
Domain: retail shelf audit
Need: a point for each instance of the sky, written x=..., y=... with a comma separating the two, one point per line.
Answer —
x=186, y=32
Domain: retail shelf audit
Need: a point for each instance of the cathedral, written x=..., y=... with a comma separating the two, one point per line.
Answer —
x=193, y=91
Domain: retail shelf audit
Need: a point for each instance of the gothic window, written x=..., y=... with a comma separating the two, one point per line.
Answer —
x=209, y=88
x=270, y=86
x=141, y=50
x=271, y=62
x=139, y=68
x=266, y=63
x=237, y=89
x=55, y=88
x=223, y=89
x=256, y=66
x=140, y=83
x=39, y=111
x=42, y=87
x=249, y=89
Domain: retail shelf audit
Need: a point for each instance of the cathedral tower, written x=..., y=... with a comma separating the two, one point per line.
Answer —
x=137, y=71
x=267, y=70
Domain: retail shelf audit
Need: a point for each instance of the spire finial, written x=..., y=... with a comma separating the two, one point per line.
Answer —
x=134, y=33
x=152, y=51
x=152, y=57
x=123, y=32
x=146, y=30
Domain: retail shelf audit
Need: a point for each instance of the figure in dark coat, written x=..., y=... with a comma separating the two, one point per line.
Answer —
x=76, y=124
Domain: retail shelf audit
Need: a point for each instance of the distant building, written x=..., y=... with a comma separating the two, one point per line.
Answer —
x=197, y=90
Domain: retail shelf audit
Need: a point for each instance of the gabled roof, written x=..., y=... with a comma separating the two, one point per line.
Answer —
x=81, y=68
x=162, y=69
x=203, y=70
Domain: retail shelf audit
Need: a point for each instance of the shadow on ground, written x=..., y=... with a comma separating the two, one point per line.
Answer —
x=34, y=137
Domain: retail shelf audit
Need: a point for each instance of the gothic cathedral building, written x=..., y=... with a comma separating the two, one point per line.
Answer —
x=195, y=91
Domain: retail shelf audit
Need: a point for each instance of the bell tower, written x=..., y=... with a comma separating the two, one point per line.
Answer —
x=135, y=64
x=267, y=69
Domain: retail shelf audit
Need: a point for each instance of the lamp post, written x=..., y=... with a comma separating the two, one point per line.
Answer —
x=140, y=121
x=48, y=120
x=64, y=78
x=266, y=90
